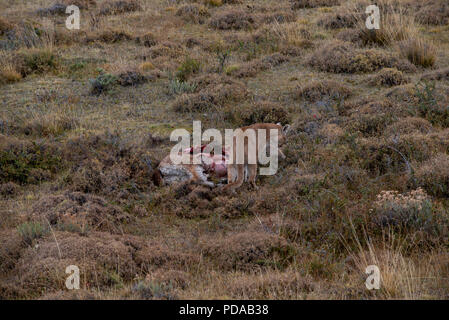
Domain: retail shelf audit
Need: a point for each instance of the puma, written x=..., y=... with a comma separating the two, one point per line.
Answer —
x=238, y=173
x=208, y=165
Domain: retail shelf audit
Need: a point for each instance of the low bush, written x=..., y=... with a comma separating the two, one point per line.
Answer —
x=413, y=210
x=341, y=57
x=263, y=111
x=193, y=13
x=322, y=90
x=300, y=4
x=232, y=20
x=119, y=7
x=102, y=84
x=389, y=77
x=187, y=68
x=433, y=175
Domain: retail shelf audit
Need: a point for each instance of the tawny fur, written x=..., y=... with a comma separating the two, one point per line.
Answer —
x=238, y=173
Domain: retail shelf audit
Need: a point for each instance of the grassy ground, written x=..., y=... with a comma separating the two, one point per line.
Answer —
x=86, y=115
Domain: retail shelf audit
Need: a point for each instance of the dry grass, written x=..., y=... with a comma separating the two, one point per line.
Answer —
x=419, y=52
x=342, y=57
x=232, y=20
x=321, y=90
x=193, y=13
x=389, y=77
x=433, y=175
x=299, y=4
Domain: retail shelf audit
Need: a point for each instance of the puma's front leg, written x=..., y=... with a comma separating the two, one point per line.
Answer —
x=240, y=177
x=252, y=173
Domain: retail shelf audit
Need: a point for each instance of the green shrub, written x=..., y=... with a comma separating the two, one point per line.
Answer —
x=31, y=230
x=37, y=61
x=187, y=68
x=103, y=83
x=28, y=163
x=176, y=86
x=428, y=106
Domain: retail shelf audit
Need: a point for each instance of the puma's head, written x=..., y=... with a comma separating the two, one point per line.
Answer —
x=283, y=133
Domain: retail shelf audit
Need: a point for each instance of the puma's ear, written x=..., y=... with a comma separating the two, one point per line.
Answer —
x=286, y=128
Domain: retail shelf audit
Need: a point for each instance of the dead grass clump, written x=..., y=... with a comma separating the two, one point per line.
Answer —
x=9, y=189
x=9, y=74
x=153, y=257
x=232, y=20
x=166, y=49
x=397, y=22
x=403, y=94
x=131, y=78
x=231, y=1
x=247, y=251
x=433, y=175
x=409, y=125
x=278, y=17
x=350, y=35
x=10, y=250
x=109, y=36
x=232, y=207
x=169, y=278
x=300, y=4
x=79, y=212
x=331, y=133
x=193, y=13
x=389, y=77
x=272, y=285
x=82, y=4
x=321, y=90
x=147, y=40
x=369, y=124
x=440, y=74
x=5, y=26
x=263, y=111
x=212, y=93
x=342, y=57
x=55, y=9
x=382, y=155
x=80, y=294
x=292, y=34
x=433, y=12
x=109, y=164
x=36, y=61
x=27, y=34
x=255, y=66
x=103, y=260
x=119, y=7
x=338, y=20
x=418, y=51
x=49, y=125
